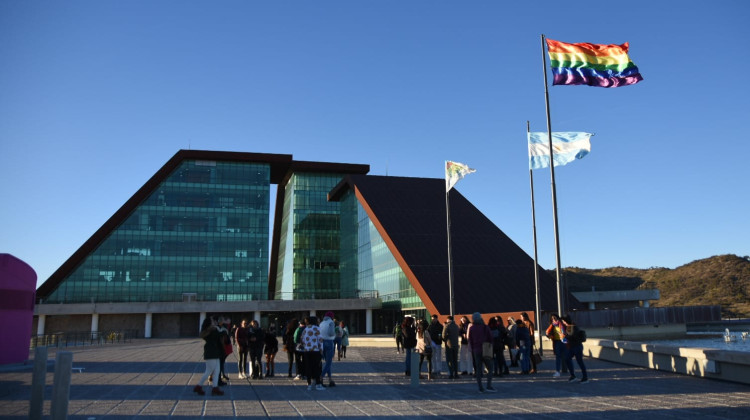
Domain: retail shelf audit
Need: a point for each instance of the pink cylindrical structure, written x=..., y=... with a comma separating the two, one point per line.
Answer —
x=17, y=295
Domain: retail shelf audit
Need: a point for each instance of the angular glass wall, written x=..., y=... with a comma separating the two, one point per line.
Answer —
x=201, y=235
x=309, y=241
x=365, y=254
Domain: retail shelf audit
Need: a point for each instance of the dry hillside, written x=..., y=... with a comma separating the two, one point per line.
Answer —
x=720, y=280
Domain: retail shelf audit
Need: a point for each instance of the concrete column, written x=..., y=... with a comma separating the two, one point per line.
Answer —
x=201, y=319
x=38, y=382
x=368, y=321
x=592, y=306
x=646, y=304
x=312, y=312
x=149, y=324
x=94, y=325
x=61, y=385
x=256, y=316
x=40, y=324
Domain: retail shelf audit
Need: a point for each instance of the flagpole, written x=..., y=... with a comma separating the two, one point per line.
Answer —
x=537, y=309
x=450, y=256
x=560, y=302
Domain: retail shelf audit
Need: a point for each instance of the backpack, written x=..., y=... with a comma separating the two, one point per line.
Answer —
x=580, y=335
x=298, y=338
x=506, y=337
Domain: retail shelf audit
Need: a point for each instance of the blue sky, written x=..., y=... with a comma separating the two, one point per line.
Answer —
x=95, y=96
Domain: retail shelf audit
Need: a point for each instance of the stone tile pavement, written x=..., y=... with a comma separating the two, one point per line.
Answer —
x=153, y=379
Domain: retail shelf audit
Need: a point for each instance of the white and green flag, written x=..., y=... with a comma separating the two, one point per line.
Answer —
x=454, y=171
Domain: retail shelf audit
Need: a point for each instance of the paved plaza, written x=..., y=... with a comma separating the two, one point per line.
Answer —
x=153, y=379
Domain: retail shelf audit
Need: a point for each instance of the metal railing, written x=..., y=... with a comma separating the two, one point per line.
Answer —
x=331, y=294
x=83, y=338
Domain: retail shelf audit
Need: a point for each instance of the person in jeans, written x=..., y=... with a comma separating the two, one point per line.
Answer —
x=477, y=334
x=530, y=325
x=409, y=331
x=328, y=333
x=450, y=337
x=242, y=340
x=575, y=349
x=523, y=342
x=257, y=340
x=556, y=333
x=436, y=334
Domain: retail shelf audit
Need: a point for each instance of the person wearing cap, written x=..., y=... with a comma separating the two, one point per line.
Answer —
x=328, y=334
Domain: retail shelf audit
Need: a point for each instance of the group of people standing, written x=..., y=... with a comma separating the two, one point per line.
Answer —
x=308, y=344
x=478, y=348
x=220, y=339
x=311, y=343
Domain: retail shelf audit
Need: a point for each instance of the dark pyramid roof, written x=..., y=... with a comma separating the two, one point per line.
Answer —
x=491, y=273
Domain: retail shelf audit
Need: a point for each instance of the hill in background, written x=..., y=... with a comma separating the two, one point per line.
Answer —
x=720, y=280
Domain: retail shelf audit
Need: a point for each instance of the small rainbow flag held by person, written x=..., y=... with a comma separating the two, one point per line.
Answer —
x=591, y=64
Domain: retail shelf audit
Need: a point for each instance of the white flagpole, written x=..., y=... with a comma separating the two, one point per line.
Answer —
x=450, y=256
x=560, y=301
x=538, y=308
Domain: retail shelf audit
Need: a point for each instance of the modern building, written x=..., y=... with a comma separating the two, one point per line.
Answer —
x=194, y=241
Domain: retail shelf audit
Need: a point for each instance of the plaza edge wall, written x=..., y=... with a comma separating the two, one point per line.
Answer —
x=724, y=365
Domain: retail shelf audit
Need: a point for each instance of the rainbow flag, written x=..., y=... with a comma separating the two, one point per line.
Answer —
x=591, y=64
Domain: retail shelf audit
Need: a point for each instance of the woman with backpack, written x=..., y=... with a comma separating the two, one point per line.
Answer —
x=575, y=336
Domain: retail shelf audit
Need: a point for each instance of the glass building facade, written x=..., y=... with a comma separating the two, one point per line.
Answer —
x=309, y=245
x=201, y=235
x=366, y=258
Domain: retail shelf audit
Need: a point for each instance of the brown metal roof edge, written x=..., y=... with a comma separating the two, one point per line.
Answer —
x=340, y=188
x=430, y=306
x=346, y=168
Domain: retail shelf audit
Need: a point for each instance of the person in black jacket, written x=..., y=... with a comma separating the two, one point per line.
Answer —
x=575, y=348
x=257, y=340
x=271, y=348
x=409, y=331
x=436, y=335
x=212, y=349
x=242, y=340
x=289, y=344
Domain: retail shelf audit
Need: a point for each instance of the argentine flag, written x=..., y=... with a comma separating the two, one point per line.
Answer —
x=567, y=146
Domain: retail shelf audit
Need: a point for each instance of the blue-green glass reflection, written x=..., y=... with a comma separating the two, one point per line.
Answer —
x=310, y=239
x=202, y=234
x=366, y=257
